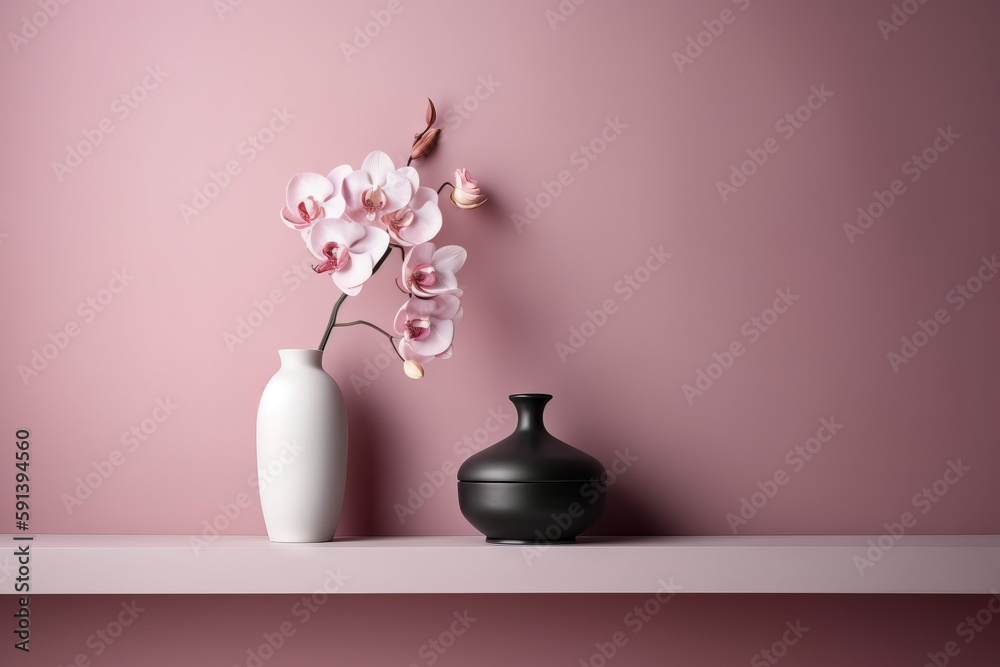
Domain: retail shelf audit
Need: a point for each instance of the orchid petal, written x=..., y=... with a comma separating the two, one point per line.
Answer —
x=438, y=339
x=349, y=291
x=307, y=184
x=293, y=220
x=407, y=352
x=446, y=283
x=334, y=207
x=419, y=254
x=421, y=309
x=374, y=242
x=446, y=306
x=410, y=174
x=357, y=272
x=337, y=176
x=398, y=190
x=399, y=322
x=333, y=230
x=427, y=218
x=378, y=165
x=450, y=258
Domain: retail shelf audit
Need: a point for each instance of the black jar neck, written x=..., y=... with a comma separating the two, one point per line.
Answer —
x=530, y=409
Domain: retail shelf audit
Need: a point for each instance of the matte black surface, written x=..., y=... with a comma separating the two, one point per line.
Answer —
x=531, y=512
x=530, y=453
x=531, y=487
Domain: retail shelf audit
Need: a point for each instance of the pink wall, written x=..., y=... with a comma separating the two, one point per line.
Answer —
x=522, y=96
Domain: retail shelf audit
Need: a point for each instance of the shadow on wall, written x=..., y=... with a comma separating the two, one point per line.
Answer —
x=364, y=461
x=626, y=511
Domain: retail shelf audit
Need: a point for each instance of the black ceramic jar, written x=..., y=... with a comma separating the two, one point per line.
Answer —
x=531, y=487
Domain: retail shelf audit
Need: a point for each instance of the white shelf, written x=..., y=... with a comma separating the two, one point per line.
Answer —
x=168, y=564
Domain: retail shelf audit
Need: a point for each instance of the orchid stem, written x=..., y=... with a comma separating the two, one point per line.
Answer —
x=392, y=339
x=382, y=259
x=444, y=184
x=336, y=307
x=367, y=324
x=332, y=322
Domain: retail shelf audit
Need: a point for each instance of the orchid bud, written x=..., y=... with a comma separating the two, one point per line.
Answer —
x=431, y=113
x=425, y=144
x=413, y=369
x=466, y=194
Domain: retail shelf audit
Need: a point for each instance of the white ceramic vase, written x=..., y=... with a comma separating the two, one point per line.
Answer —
x=301, y=450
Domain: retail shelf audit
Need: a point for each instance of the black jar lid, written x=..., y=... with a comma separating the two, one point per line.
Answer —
x=530, y=453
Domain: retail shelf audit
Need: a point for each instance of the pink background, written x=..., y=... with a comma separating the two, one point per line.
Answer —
x=554, y=87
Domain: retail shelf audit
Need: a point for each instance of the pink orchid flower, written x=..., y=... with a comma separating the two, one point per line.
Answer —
x=378, y=188
x=428, y=272
x=466, y=193
x=347, y=250
x=417, y=222
x=310, y=197
x=427, y=327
